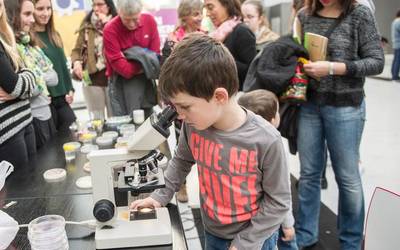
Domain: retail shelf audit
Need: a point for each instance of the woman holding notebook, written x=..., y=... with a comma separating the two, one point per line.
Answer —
x=335, y=114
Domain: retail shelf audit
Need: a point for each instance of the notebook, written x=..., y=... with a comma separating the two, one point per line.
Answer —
x=316, y=46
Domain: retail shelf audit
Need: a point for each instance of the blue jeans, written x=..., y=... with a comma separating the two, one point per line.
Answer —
x=213, y=242
x=341, y=128
x=396, y=64
x=286, y=245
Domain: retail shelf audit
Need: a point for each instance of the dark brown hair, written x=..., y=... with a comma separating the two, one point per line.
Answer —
x=313, y=6
x=197, y=66
x=297, y=5
x=260, y=101
x=398, y=13
x=54, y=36
x=112, y=10
x=13, y=8
x=232, y=7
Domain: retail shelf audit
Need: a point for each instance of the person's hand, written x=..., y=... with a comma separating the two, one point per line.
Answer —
x=288, y=233
x=78, y=70
x=145, y=203
x=232, y=248
x=4, y=96
x=69, y=98
x=317, y=69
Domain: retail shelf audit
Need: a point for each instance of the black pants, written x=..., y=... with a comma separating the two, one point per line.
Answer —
x=20, y=148
x=44, y=130
x=62, y=113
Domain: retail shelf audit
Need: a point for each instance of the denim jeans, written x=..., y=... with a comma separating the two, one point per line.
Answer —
x=396, y=65
x=341, y=129
x=286, y=245
x=213, y=242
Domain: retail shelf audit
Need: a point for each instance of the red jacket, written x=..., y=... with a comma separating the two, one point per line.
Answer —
x=118, y=38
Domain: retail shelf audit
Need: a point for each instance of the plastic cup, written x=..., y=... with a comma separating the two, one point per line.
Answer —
x=138, y=116
x=70, y=149
x=126, y=128
x=122, y=142
x=88, y=137
x=48, y=232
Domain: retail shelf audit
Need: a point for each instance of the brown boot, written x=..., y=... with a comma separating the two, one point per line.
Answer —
x=182, y=194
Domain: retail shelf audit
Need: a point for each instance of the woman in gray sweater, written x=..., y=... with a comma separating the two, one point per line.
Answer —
x=335, y=113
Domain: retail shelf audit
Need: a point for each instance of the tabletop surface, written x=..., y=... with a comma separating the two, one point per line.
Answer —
x=35, y=197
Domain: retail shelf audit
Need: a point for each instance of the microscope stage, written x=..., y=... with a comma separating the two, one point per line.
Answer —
x=129, y=232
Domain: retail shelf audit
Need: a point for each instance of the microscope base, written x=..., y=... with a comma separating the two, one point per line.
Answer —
x=136, y=233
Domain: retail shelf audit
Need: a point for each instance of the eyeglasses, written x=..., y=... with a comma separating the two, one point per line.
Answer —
x=98, y=5
x=250, y=16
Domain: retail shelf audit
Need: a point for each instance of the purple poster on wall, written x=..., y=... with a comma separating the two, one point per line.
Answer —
x=166, y=20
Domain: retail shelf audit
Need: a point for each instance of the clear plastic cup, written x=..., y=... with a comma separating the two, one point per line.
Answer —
x=48, y=232
x=126, y=128
x=70, y=149
x=122, y=142
x=88, y=137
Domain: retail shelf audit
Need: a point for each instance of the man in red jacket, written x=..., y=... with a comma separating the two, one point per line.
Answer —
x=130, y=28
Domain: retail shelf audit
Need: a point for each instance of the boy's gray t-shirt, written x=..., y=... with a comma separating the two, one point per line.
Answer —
x=243, y=179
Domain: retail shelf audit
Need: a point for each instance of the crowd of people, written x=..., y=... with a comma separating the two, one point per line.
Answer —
x=243, y=173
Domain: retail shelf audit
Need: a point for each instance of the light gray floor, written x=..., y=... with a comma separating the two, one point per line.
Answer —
x=380, y=153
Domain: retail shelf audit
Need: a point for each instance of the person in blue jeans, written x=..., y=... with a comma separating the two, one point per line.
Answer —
x=335, y=114
x=396, y=47
x=215, y=243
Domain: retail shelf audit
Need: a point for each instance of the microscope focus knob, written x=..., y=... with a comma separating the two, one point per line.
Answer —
x=103, y=210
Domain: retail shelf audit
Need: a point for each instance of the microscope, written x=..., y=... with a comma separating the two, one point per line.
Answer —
x=131, y=171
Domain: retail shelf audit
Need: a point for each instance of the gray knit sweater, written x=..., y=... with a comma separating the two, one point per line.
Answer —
x=356, y=42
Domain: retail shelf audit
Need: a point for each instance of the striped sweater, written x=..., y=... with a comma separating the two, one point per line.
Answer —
x=14, y=114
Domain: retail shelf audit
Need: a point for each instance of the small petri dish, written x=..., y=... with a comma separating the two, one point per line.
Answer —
x=55, y=175
x=86, y=149
x=84, y=182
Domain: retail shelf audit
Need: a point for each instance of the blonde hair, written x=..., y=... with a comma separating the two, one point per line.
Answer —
x=187, y=7
x=7, y=39
x=260, y=9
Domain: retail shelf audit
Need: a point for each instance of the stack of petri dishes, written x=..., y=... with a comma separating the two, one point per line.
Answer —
x=48, y=232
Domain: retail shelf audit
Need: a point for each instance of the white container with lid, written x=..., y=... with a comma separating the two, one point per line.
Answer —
x=86, y=149
x=111, y=134
x=105, y=142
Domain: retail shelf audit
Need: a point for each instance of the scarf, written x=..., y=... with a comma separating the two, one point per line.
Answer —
x=35, y=60
x=98, y=40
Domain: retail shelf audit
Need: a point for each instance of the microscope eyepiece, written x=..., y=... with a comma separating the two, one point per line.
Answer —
x=166, y=117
